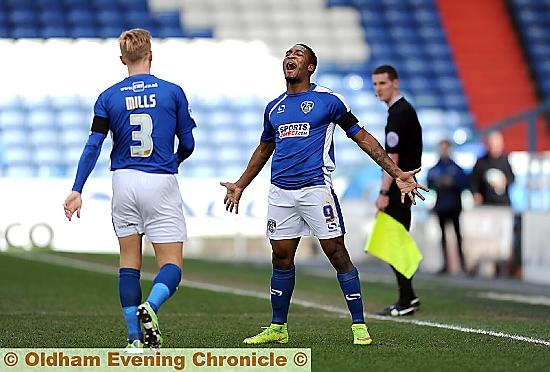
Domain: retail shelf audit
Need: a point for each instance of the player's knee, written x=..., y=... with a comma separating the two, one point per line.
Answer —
x=339, y=258
x=281, y=262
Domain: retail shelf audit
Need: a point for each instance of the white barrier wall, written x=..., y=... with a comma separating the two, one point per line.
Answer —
x=32, y=214
x=536, y=247
x=35, y=206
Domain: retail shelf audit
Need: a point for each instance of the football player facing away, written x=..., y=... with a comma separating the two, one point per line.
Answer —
x=144, y=115
x=298, y=131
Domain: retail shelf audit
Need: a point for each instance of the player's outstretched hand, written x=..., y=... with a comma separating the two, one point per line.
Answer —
x=408, y=186
x=72, y=204
x=232, y=197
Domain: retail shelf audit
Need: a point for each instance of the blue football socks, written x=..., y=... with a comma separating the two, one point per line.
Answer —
x=351, y=287
x=129, y=289
x=165, y=284
x=282, y=286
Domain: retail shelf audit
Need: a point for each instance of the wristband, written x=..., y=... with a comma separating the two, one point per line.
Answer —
x=384, y=192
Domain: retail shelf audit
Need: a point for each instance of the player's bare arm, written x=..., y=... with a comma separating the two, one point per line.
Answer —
x=257, y=161
x=405, y=180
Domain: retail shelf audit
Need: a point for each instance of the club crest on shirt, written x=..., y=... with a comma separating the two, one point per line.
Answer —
x=307, y=106
x=271, y=226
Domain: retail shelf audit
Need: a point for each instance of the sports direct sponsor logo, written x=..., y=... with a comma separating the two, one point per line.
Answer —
x=294, y=130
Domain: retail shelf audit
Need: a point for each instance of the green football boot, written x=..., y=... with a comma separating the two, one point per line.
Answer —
x=148, y=318
x=277, y=333
x=361, y=334
x=134, y=347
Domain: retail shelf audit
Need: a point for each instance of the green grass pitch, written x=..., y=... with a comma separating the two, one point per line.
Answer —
x=51, y=305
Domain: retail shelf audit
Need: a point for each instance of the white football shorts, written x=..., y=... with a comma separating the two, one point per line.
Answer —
x=309, y=211
x=148, y=203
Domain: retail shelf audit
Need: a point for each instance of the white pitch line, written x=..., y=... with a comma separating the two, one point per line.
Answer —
x=97, y=267
x=522, y=299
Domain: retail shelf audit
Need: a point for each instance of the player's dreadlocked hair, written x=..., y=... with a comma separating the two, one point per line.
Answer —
x=311, y=54
x=135, y=44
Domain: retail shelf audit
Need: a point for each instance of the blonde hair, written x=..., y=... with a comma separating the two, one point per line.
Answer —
x=135, y=44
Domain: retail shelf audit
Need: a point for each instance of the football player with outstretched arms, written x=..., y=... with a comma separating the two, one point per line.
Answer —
x=298, y=131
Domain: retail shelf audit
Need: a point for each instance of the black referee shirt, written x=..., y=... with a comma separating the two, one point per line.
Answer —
x=404, y=135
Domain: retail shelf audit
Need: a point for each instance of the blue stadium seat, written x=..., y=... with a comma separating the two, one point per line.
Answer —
x=83, y=32
x=339, y=3
x=74, y=137
x=139, y=5
x=81, y=18
x=52, y=18
x=13, y=137
x=111, y=31
x=45, y=155
x=12, y=118
x=18, y=155
x=370, y=17
x=24, y=18
x=106, y=5
x=17, y=5
x=41, y=118
x=73, y=118
x=111, y=18
x=398, y=17
x=51, y=5
x=167, y=19
x=427, y=17
x=20, y=171
x=4, y=32
x=85, y=5
x=533, y=20
x=71, y=154
x=54, y=32
x=192, y=33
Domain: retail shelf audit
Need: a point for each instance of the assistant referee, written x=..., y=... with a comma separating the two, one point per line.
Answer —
x=404, y=145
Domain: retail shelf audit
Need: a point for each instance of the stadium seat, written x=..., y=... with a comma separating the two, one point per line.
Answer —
x=20, y=171
x=135, y=5
x=18, y=155
x=10, y=118
x=81, y=18
x=17, y=5
x=111, y=31
x=52, y=18
x=47, y=155
x=102, y=5
x=50, y=5
x=41, y=118
x=25, y=33
x=43, y=137
x=83, y=32
x=13, y=137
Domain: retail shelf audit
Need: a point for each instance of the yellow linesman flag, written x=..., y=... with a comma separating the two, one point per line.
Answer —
x=391, y=242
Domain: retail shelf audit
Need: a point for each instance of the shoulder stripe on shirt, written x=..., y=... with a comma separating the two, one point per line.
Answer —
x=321, y=89
x=274, y=106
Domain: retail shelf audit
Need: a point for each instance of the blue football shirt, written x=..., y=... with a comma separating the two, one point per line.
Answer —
x=302, y=127
x=145, y=114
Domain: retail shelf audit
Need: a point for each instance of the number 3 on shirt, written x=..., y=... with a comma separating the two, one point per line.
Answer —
x=143, y=135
